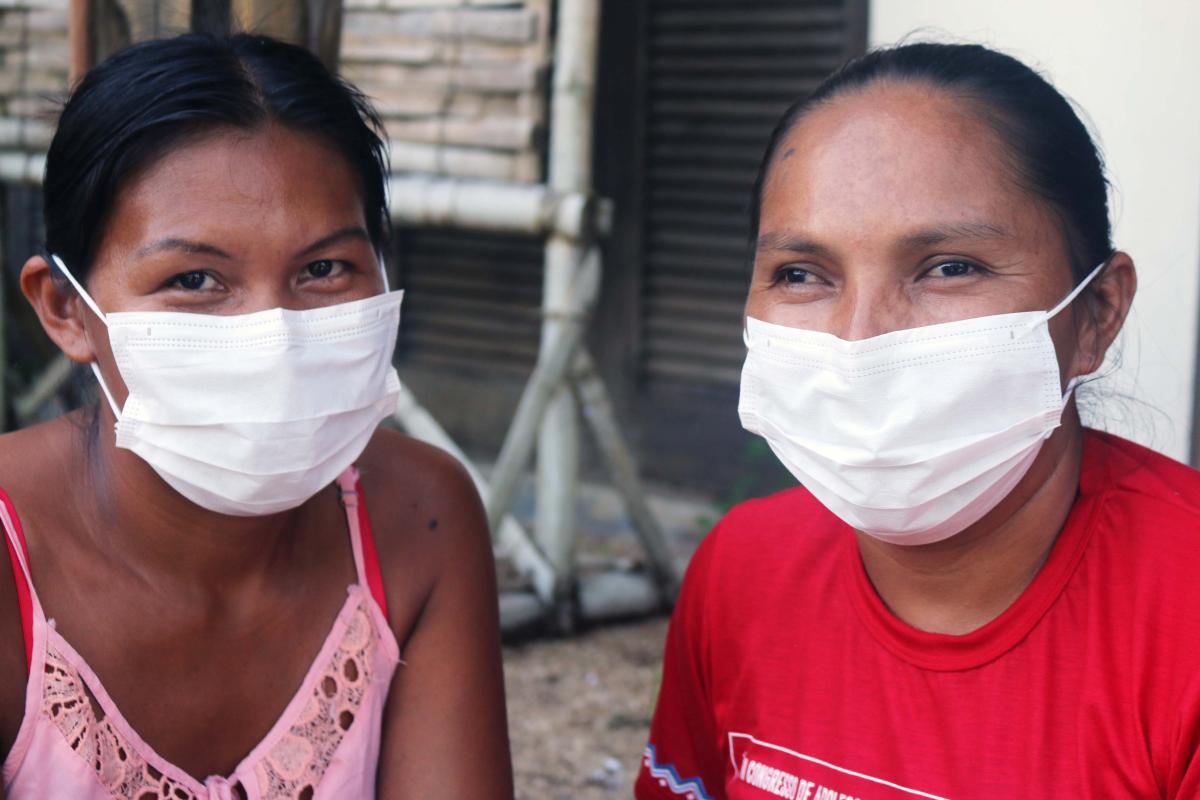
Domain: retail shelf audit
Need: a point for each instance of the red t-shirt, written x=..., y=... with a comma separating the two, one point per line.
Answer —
x=786, y=676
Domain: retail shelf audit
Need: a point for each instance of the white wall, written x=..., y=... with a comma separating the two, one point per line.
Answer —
x=1135, y=69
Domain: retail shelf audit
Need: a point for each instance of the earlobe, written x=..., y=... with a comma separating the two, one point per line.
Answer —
x=59, y=309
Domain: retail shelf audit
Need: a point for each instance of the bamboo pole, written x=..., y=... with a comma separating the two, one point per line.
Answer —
x=314, y=24
x=612, y=595
x=489, y=205
x=598, y=413
x=519, y=610
x=420, y=200
x=44, y=387
x=569, y=169
x=22, y=167
x=78, y=40
x=547, y=379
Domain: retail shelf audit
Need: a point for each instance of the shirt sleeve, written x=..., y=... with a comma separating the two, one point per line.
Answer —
x=1184, y=778
x=683, y=758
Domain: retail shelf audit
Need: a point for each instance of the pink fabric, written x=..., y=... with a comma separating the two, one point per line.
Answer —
x=325, y=744
x=18, y=555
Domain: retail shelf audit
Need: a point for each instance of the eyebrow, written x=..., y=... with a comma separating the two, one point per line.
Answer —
x=955, y=231
x=793, y=243
x=193, y=247
x=922, y=238
x=183, y=245
x=352, y=232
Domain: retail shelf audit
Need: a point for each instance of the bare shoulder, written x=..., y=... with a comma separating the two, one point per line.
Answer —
x=416, y=485
x=425, y=513
x=27, y=469
x=13, y=672
x=32, y=459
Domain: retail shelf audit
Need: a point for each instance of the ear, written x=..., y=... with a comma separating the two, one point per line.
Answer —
x=60, y=309
x=1107, y=305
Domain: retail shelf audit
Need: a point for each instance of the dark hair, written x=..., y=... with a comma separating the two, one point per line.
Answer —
x=138, y=104
x=1052, y=153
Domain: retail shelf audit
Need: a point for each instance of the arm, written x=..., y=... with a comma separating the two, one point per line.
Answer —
x=13, y=673
x=1183, y=778
x=445, y=731
x=683, y=754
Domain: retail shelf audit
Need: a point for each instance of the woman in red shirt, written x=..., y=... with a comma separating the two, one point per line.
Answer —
x=972, y=595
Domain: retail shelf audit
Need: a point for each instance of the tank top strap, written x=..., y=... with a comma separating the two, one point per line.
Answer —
x=362, y=540
x=18, y=554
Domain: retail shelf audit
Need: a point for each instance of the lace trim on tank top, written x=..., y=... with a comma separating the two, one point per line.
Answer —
x=296, y=763
x=120, y=769
x=290, y=769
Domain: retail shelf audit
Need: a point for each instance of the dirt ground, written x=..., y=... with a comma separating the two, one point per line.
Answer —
x=579, y=710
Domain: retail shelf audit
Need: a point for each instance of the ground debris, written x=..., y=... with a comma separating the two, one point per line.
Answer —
x=579, y=710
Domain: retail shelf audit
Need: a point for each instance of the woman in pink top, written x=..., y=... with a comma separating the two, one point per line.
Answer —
x=198, y=602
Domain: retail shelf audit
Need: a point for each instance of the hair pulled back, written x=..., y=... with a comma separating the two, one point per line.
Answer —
x=134, y=107
x=1050, y=150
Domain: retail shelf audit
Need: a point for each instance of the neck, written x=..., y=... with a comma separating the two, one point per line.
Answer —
x=157, y=534
x=962, y=583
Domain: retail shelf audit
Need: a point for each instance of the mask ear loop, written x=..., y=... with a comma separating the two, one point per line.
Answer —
x=1083, y=284
x=387, y=285
x=87, y=298
x=107, y=394
x=1075, y=382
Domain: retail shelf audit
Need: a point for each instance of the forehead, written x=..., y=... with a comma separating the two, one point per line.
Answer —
x=898, y=155
x=233, y=187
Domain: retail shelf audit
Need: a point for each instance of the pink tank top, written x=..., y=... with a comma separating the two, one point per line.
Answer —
x=325, y=744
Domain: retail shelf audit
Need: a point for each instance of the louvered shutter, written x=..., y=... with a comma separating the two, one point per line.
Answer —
x=720, y=73
x=471, y=301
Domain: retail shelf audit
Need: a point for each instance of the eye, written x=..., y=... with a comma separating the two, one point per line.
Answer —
x=793, y=275
x=194, y=281
x=953, y=269
x=325, y=268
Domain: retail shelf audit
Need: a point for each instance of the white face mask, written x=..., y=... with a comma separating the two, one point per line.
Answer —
x=252, y=414
x=914, y=435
